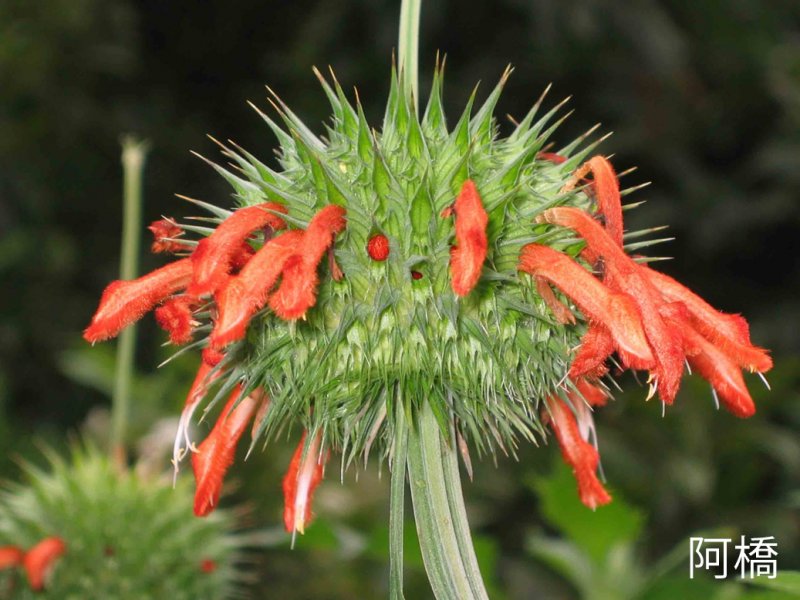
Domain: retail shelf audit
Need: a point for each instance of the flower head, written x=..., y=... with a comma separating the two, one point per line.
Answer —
x=369, y=304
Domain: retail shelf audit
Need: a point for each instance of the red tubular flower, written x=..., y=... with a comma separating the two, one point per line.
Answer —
x=213, y=257
x=246, y=293
x=378, y=247
x=712, y=363
x=560, y=312
x=215, y=454
x=39, y=560
x=577, y=453
x=164, y=232
x=596, y=346
x=606, y=189
x=175, y=317
x=614, y=311
x=624, y=275
x=298, y=290
x=729, y=333
x=593, y=394
x=10, y=556
x=124, y=302
x=552, y=157
x=301, y=480
x=469, y=253
x=204, y=378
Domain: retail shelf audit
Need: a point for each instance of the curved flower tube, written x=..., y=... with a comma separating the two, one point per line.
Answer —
x=125, y=302
x=297, y=292
x=246, y=293
x=212, y=259
x=40, y=559
x=215, y=454
x=302, y=478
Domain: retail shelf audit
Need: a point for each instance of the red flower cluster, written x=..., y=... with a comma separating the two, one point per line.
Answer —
x=225, y=267
x=37, y=562
x=652, y=322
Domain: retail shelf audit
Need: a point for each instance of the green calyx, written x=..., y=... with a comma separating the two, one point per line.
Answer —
x=378, y=334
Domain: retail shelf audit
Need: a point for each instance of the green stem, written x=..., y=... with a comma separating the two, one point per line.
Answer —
x=133, y=157
x=397, y=503
x=444, y=536
x=408, y=48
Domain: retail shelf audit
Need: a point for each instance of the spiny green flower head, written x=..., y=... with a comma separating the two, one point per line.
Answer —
x=442, y=241
x=381, y=335
x=123, y=536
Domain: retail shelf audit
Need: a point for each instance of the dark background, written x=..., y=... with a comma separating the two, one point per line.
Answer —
x=704, y=97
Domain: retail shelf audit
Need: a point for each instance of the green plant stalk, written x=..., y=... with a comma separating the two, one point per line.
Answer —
x=397, y=502
x=408, y=48
x=133, y=157
x=442, y=526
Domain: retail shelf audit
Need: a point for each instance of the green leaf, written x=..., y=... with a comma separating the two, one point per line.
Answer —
x=593, y=531
x=785, y=581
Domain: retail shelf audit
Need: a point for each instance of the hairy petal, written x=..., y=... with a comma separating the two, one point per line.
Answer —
x=164, y=233
x=39, y=560
x=246, y=293
x=577, y=453
x=469, y=253
x=596, y=346
x=298, y=289
x=175, y=317
x=730, y=333
x=616, y=312
x=10, y=556
x=124, y=302
x=215, y=454
x=213, y=257
x=302, y=478
x=623, y=274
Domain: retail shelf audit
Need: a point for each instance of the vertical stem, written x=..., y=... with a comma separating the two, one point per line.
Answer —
x=408, y=48
x=133, y=157
x=444, y=537
x=397, y=502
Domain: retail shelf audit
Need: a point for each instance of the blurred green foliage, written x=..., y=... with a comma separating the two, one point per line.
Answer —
x=704, y=97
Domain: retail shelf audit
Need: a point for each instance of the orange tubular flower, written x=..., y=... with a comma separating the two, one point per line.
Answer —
x=577, y=453
x=552, y=157
x=596, y=346
x=204, y=378
x=175, y=317
x=614, y=311
x=298, y=290
x=214, y=255
x=246, y=293
x=606, y=189
x=215, y=454
x=164, y=232
x=10, y=556
x=560, y=312
x=124, y=302
x=730, y=333
x=39, y=560
x=301, y=480
x=469, y=253
x=624, y=275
